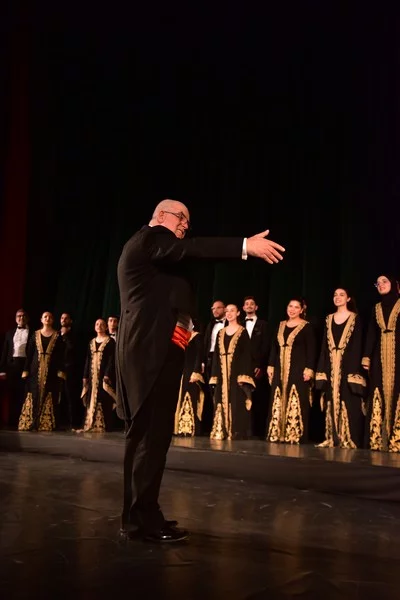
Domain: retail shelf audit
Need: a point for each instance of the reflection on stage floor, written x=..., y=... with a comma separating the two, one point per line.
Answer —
x=60, y=518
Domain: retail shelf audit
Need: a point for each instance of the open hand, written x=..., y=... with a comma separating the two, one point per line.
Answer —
x=267, y=250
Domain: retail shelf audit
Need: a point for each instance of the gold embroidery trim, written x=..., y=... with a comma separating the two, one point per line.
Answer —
x=94, y=419
x=388, y=356
x=321, y=377
x=246, y=379
x=394, y=443
x=356, y=378
x=336, y=357
x=197, y=377
x=275, y=424
x=294, y=427
x=285, y=357
x=375, y=425
x=110, y=391
x=226, y=365
x=186, y=421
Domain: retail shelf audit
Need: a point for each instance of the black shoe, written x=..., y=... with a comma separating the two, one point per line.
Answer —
x=167, y=535
x=172, y=523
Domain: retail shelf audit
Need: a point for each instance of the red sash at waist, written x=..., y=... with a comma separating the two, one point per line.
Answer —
x=181, y=337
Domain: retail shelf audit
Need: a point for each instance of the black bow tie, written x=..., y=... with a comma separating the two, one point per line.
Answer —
x=20, y=327
x=218, y=321
x=248, y=319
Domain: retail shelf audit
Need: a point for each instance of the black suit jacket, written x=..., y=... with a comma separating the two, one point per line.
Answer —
x=207, y=337
x=259, y=342
x=8, y=348
x=154, y=289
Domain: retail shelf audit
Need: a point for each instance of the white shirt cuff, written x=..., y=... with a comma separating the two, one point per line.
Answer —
x=244, y=249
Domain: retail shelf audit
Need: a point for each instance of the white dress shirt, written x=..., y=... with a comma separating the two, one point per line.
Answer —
x=217, y=327
x=250, y=325
x=20, y=340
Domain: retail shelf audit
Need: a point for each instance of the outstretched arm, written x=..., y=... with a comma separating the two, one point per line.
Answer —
x=164, y=247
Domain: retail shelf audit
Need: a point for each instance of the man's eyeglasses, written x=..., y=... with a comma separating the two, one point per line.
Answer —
x=179, y=216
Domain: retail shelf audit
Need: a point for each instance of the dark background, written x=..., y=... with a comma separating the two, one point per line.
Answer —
x=283, y=117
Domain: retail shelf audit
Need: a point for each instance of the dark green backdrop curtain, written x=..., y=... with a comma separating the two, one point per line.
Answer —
x=286, y=119
x=15, y=154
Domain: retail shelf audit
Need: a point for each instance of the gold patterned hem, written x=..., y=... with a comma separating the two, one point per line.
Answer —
x=25, y=421
x=328, y=426
x=345, y=440
x=376, y=423
x=47, y=420
x=97, y=423
x=275, y=425
x=186, y=419
x=217, y=431
x=294, y=427
x=394, y=443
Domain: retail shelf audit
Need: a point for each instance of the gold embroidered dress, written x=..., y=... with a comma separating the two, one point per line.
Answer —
x=292, y=355
x=232, y=376
x=189, y=410
x=98, y=394
x=44, y=374
x=382, y=356
x=339, y=378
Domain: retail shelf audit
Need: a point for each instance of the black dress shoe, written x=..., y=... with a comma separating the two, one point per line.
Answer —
x=167, y=535
x=172, y=523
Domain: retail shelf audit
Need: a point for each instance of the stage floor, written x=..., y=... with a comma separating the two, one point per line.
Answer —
x=359, y=473
x=249, y=540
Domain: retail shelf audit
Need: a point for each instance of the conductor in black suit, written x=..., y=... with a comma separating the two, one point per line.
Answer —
x=12, y=363
x=157, y=306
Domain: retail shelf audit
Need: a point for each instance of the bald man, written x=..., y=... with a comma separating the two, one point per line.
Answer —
x=157, y=306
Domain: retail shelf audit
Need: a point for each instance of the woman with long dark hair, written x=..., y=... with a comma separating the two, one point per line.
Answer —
x=232, y=378
x=339, y=376
x=291, y=372
x=44, y=373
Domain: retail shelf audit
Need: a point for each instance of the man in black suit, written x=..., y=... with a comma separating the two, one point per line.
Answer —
x=210, y=335
x=259, y=341
x=12, y=364
x=157, y=307
x=71, y=413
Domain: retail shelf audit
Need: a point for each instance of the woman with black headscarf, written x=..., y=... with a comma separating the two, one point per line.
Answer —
x=382, y=361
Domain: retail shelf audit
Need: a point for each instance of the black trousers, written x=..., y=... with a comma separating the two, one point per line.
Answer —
x=16, y=390
x=208, y=407
x=259, y=410
x=148, y=438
